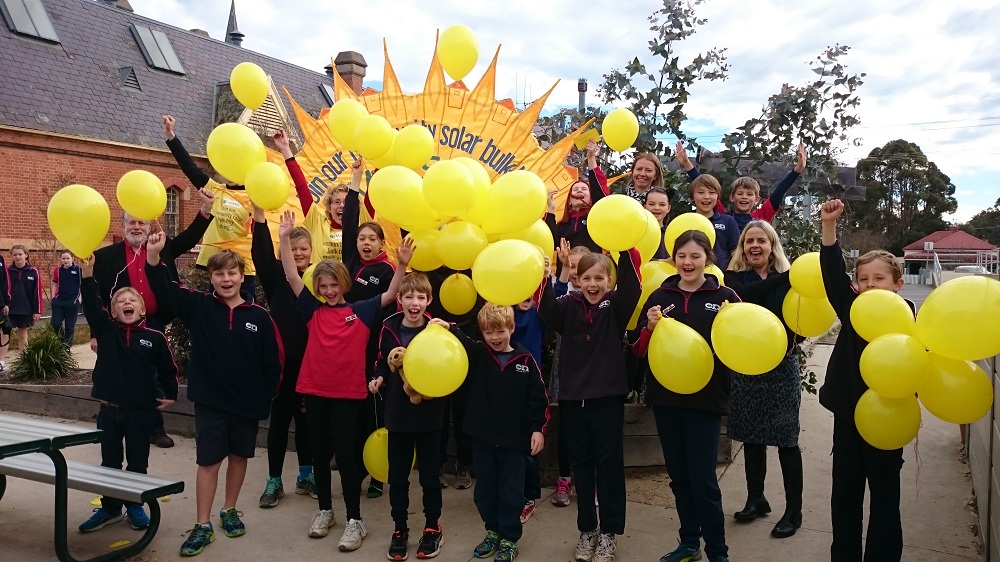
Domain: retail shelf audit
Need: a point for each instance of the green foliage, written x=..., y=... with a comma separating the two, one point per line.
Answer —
x=45, y=357
x=986, y=224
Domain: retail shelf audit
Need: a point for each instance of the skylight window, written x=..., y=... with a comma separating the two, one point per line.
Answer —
x=157, y=49
x=28, y=17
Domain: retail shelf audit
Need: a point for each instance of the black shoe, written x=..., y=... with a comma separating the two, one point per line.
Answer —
x=788, y=524
x=398, y=545
x=161, y=440
x=755, y=507
x=430, y=543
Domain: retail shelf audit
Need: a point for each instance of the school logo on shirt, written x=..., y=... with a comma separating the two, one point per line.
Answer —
x=720, y=226
x=604, y=304
x=712, y=307
x=72, y=272
x=145, y=343
x=251, y=327
x=522, y=369
x=29, y=277
x=373, y=280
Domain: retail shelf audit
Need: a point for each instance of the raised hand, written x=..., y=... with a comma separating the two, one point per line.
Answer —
x=168, y=126
x=831, y=210
x=551, y=206
x=258, y=213
x=87, y=266
x=281, y=142
x=405, y=252
x=357, y=172
x=800, y=158
x=681, y=155
x=439, y=322
x=287, y=224
x=207, y=200
x=593, y=149
x=563, y=252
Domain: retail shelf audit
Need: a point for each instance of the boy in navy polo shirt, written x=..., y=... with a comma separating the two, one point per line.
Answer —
x=65, y=297
x=705, y=191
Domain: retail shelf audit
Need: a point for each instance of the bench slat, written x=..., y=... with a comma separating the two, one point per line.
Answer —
x=129, y=486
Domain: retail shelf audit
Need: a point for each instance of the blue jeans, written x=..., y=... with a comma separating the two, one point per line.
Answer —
x=499, y=493
x=126, y=437
x=64, y=315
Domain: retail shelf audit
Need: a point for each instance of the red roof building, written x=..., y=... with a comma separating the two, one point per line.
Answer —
x=952, y=246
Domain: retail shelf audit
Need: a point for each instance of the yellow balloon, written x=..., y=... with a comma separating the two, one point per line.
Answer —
x=414, y=146
x=650, y=241
x=373, y=136
x=616, y=223
x=683, y=223
x=307, y=279
x=376, y=454
x=79, y=218
x=748, y=338
x=481, y=184
x=249, y=84
x=448, y=188
x=887, y=423
x=396, y=194
x=389, y=158
x=267, y=185
x=142, y=195
x=538, y=234
x=459, y=244
x=435, y=362
x=458, y=51
x=894, y=365
x=508, y=272
x=807, y=317
x=233, y=149
x=653, y=274
x=620, y=129
x=807, y=277
x=516, y=200
x=956, y=391
x=958, y=320
x=878, y=312
x=425, y=256
x=720, y=276
x=343, y=118
x=679, y=357
x=458, y=294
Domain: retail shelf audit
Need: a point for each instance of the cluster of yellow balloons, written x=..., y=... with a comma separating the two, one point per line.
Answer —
x=374, y=138
x=435, y=362
x=249, y=84
x=806, y=309
x=79, y=218
x=458, y=51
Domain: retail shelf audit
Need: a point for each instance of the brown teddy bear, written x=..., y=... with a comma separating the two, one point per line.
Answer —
x=395, y=361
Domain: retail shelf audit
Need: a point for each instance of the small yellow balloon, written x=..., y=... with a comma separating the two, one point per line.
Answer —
x=448, y=188
x=79, y=218
x=620, y=129
x=878, y=312
x=396, y=194
x=267, y=185
x=956, y=391
x=894, y=365
x=807, y=277
x=233, y=149
x=425, y=256
x=343, y=119
x=887, y=423
x=458, y=294
x=508, y=272
x=807, y=317
x=958, y=320
x=142, y=195
x=373, y=136
x=748, y=338
x=683, y=223
x=414, y=146
x=458, y=51
x=307, y=280
x=249, y=84
x=679, y=357
x=617, y=223
x=435, y=362
x=459, y=244
x=376, y=454
x=516, y=200
x=653, y=274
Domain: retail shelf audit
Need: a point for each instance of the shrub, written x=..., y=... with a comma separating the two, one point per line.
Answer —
x=45, y=357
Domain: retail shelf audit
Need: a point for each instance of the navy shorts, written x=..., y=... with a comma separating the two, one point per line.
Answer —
x=219, y=434
x=21, y=320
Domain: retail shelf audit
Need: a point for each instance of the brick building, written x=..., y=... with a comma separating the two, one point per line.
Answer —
x=85, y=84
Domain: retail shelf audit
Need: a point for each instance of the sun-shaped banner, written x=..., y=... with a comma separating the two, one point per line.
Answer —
x=463, y=123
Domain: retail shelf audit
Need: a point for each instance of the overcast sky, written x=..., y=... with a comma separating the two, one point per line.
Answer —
x=933, y=67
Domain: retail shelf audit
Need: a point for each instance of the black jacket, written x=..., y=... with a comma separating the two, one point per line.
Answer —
x=696, y=310
x=25, y=286
x=769, y=293
x=574, y=228
x=368, y=279
x=506, y=402
x=4, y=285
x=134, y=366
x=400, y=413
x=236, y=355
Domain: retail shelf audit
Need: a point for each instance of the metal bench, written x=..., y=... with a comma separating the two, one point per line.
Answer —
x=128, y=486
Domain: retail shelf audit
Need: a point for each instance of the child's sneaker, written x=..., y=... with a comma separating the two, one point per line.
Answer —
x=374, y=489
x=399, y=545
x=683, y=553
x=507, y=552
x=273, y=491
x=321, y=523
x=529, y=508
x=101, y=519
x=137, y=517
x=585, y=547
x=489, y=545
x=229, y=520
x=354, y=533
x=605, y=551
x=430, y=543
x=199, y=537
x=463, y=479
x=306, y=485
x=561, y=497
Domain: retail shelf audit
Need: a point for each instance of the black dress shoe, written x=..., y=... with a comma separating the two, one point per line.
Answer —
x=161, y=440
x=755, y=507
x=787, y=525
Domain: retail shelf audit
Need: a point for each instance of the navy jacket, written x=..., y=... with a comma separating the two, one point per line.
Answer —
x=67, y=282
x=25, y=289
x=134, y=366
x=401, y=415
x=574, y=228
x=4, y=285
x=236, y=355
x=727, y=237
x=529, y=331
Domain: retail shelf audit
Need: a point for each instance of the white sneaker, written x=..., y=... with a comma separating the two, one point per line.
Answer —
x=605, y=551
x=353, y=535
x=321, y=524
x=585, y=547
x=3, y=366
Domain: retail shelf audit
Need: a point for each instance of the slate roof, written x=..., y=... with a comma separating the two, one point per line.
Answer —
x=951, y=239
x=74, y=87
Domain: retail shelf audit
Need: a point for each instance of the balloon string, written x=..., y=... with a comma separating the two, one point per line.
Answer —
x=134, y=256
x=916, y=452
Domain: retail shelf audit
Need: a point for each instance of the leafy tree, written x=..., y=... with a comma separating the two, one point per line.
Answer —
x=986, y=224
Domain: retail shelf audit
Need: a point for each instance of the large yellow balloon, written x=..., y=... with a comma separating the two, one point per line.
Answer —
x=878, y=312
x=516, y=200
x=414, y=146
x=620, y=129
x=343, y=119
x=249, y=84
x=653, y=274
x=887, y=423
x=267, y=185
x=958, y=320
x=894, y=365
x=373, y=135
x=396, y=194
x=435, y=362
x=425, y=256
x=448, y=188
x=233, y=149
x=748, y=338
x=142, y=195
x=538, y=234
x=508, y=272
x=617, y=222
x=458, y=294
x=683, y=223
x=679, y=357
x=807, y=317
x=79, y=218
x=650, y=241
x=807, y=277
x=956, y=391
x=307, y=280
x=459, y=243
x=458, y=51
x=389, y=158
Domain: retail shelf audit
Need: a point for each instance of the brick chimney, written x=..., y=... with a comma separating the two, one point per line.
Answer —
x=352, y=68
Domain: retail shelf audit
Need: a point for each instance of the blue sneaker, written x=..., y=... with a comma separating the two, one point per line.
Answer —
x=137, y=517
x=231, y=523
x=489, y=545
x=199, y=537
x=683, y=553
x=101, y=519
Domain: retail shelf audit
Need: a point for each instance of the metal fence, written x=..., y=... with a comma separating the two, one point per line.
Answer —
x=984, y=459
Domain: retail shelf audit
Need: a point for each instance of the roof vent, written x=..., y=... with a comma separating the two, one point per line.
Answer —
x=128, y=79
